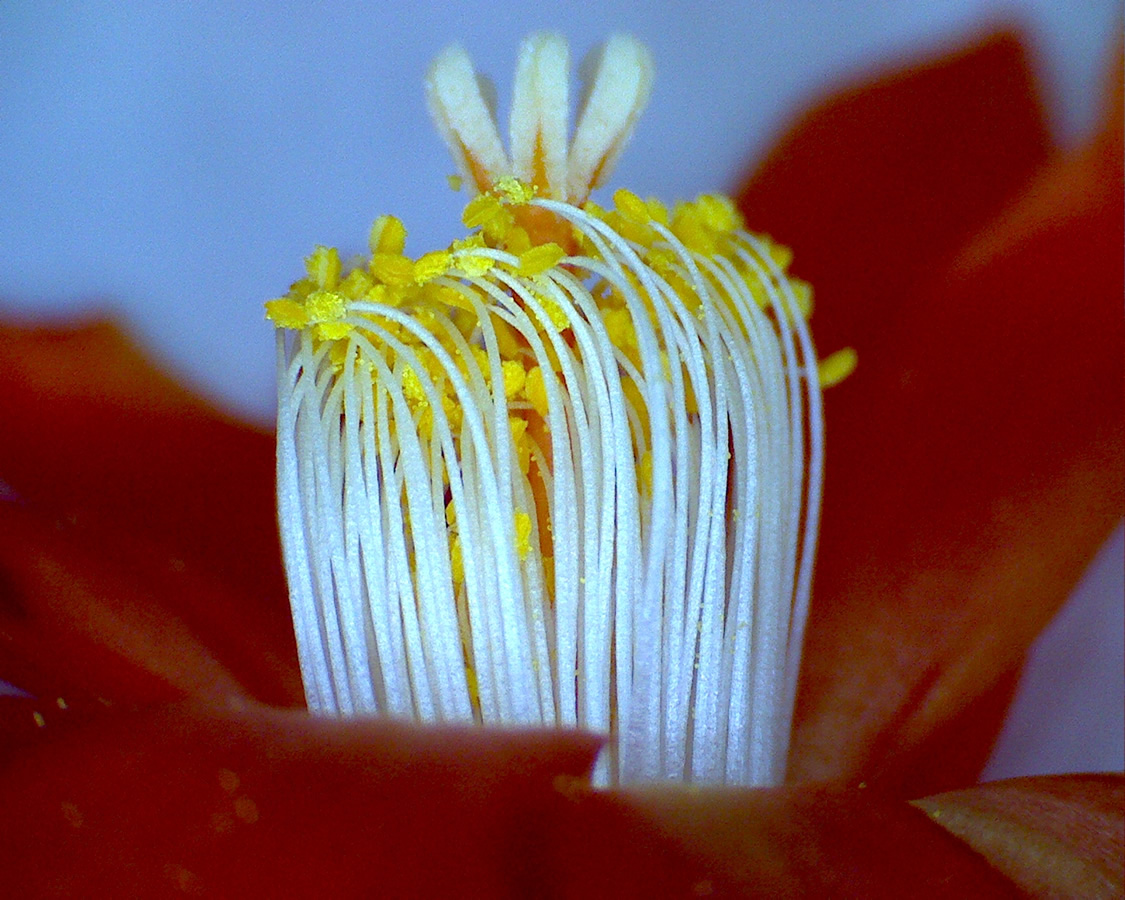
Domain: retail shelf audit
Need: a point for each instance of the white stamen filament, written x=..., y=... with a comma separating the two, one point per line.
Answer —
x=675, y=614
x=627, y=550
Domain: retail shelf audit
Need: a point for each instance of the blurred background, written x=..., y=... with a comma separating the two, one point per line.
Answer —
x=171, y=164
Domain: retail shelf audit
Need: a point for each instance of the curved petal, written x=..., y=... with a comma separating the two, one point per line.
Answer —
x=259, y=802
x=1059, y=836
x=804, y=841
x=879, y=185
x=100, y=613
x=132, y=479
x=974, y=467
x=93, y=430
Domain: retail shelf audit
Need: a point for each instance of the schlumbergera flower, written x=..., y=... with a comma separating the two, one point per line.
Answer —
x=143, y=607
x=565, y=472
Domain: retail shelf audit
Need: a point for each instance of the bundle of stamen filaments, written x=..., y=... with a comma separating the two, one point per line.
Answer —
x=634, y=558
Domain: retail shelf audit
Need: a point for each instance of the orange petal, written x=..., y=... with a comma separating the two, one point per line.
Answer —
x=974, y=467
x=1061, y=836
x=260, y=803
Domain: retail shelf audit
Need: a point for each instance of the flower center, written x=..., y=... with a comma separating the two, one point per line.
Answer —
x=565, y=471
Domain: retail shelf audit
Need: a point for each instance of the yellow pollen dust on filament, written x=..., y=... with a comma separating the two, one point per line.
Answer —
x=565, y=471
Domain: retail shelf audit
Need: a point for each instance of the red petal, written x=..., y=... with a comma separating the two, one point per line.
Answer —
x=809, y=841
x=1055, y=837
x=160, y=498
x=99, y=614
x=265, y=803
x=974, y=467
x=95, y=432
x=878, y=186
x=260, y=803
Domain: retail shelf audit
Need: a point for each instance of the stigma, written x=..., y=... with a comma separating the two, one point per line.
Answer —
x=566, y=470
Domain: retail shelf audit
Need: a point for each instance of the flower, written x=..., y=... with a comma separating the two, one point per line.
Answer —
x=139, y=566
x=567, y=471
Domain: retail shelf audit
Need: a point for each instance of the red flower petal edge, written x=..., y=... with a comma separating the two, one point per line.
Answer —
x=1061, y=836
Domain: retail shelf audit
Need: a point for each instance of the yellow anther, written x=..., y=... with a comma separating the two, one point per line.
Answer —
x=286, y=313
x=432, y=265
x=644, y=472
x=472, y=242
x=392, y=269
x=835, y=368
x=496, y=229
x=780, y=254
x=803, y=296
x=388, y=235
x=555, y=313
x=466, y=260
x=517, y=241
x=538, y=260
x=482, y=208
x=718, y=212
x=518, y=428
x=474, y=265
x=446, y=296
x=337, y=353
x=355, y=285
x=657, y=211
x=535, y=390
x=631, y=207
x=333, y=331
x=688, y=225
x=456, y=560
x=380, y=293
x=619, y=327
x=523, y=533
x=323, y=267
x=507, y=340
x=412, y=388
x=514, y=377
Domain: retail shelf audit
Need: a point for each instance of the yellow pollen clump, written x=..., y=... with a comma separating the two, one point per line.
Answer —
x=514, y=191
x=412, y=388
x=719, y=213
x=555, y=314
x=325, y=306
x=514, y=377
x=523, y=533
x=518, y=429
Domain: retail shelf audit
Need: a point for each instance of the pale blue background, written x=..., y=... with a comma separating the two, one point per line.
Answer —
x=172, y=162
